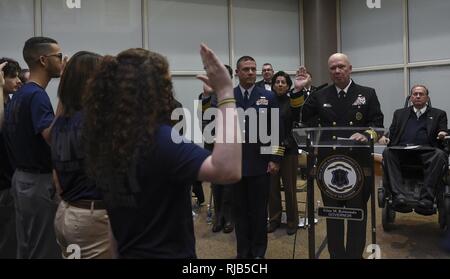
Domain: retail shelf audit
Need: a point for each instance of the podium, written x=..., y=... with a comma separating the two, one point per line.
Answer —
x=344, y=171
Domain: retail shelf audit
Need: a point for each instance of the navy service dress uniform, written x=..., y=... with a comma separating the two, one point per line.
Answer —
x=358, y=107
x=222, y=194
x=287, y=173
x=251, y=193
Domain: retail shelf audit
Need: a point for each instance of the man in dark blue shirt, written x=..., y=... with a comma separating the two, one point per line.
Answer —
x=28, y=119
x=9, y=84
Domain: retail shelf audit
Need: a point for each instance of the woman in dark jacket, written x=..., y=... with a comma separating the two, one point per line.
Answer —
x=281, y=84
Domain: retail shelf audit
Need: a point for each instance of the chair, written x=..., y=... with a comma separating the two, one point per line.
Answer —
x=413, y=176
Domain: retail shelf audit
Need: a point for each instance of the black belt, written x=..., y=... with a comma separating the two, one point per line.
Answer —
x=35, y=171
x=88, y=204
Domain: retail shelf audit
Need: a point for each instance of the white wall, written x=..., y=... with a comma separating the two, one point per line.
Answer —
x=267, y=30
x=398, y=45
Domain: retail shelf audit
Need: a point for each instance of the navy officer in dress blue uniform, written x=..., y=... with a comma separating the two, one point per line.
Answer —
x=344, y=104
x=251, y=193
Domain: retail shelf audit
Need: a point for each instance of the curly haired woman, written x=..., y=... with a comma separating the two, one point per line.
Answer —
x=143, y=168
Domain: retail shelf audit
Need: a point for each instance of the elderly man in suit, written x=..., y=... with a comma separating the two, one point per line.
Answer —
x=344, y=104
x=419, y=125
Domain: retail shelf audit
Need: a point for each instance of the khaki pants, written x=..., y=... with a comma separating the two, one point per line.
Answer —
x=84, y=228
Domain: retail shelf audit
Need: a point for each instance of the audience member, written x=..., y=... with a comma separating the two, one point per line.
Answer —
x=28, y=119
x=143, y=167
x=267, y=73
x=24, y=75
x=9, y=84
x=421, y=125
x=81, y=217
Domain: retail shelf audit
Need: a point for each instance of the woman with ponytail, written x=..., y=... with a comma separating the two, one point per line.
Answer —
x=81, y=218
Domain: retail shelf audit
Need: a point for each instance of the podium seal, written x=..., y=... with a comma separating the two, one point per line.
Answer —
x=340, y=177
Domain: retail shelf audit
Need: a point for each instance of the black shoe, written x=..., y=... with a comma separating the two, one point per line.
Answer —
x=273, y=226
x=291, y=231
x=216, y=228
x=425, y=203
x=259, y=258
x=200, y=202
x=228, y=227
x=400, y=201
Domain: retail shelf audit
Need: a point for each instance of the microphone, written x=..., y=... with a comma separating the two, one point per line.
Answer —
x=300, y=124
x=322, y=86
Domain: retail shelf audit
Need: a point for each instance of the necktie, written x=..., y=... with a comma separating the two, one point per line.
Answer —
x=341, y=94
x=246, y=99
x=418, y=113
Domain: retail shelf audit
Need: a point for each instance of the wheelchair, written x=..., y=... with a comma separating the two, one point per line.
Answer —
x=412, y=174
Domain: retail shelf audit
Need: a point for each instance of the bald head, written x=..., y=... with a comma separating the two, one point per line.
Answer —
x=340, y=56
x=340, y=69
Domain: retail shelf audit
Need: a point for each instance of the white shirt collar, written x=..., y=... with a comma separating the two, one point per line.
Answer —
x=345, y=89
x=250, y=90
x=422, y=110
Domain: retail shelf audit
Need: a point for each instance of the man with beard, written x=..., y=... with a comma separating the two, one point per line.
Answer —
x=28, y=119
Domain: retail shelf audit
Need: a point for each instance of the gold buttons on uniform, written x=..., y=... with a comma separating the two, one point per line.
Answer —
x=351, y=123
x=359, y=116
x=334, y=123
x=334, y=137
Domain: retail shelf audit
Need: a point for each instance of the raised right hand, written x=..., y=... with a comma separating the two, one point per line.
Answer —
x=301, y=79
x=2, y=75
x=207, y=90
x=217, y=76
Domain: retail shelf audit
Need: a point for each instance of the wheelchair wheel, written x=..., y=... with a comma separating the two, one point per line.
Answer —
x=444, y=213
x=381, y=197
x=387, y=217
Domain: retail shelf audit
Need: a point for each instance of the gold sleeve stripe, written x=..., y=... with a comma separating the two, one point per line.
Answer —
x=278, y=150
x=297, y=102
x=372, y=134
x=206, y=106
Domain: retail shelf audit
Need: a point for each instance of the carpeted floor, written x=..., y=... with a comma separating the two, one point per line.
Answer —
x=413, y=236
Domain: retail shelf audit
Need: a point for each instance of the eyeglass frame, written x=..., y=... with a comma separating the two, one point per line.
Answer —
x=418, y=94
x=60, y=55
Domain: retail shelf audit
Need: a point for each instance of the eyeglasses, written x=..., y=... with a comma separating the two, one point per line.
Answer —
x=59, y=55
